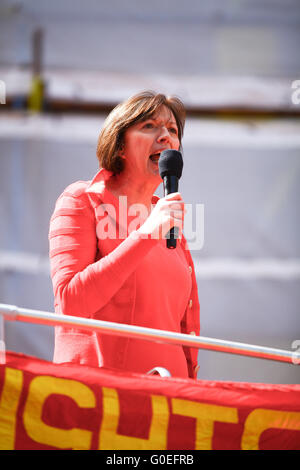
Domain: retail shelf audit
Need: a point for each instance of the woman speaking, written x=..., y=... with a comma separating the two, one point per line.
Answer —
x=109, y=259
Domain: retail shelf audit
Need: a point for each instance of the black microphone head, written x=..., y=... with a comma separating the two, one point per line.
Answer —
x=170, y=163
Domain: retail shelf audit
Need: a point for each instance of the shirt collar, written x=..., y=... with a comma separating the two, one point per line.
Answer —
x=97, y=185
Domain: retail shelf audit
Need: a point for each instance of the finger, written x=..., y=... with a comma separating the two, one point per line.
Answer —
x=175, y=205
x=177, y=215
x=178, y=223
x=173, y=196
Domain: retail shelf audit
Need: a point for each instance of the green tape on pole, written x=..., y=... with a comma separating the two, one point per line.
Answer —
x=36, y=96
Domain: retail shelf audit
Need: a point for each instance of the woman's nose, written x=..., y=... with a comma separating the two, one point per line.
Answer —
x=164, y=134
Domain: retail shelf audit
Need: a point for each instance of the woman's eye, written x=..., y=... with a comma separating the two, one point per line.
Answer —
x=173, y=130
x=148, y=125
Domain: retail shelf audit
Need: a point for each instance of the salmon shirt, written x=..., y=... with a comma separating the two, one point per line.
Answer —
x=102, y=268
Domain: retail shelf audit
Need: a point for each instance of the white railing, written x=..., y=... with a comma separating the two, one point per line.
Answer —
x=13, y=313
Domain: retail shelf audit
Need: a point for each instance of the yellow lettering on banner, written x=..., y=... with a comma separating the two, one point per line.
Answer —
x=41, y=388
x=110, y=440
x=260, y=419
x=9, y=401
x=205, y=415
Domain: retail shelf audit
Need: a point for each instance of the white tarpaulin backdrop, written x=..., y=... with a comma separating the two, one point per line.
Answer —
x=245, y=172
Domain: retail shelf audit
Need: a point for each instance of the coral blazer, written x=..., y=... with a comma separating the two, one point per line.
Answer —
x=90, y=285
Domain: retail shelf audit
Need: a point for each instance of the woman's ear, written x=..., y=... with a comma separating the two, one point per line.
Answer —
x=121, y=151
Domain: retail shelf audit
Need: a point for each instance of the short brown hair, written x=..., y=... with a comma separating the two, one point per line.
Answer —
x=137, y=108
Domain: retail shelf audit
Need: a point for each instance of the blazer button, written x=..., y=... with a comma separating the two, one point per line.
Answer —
x=190, y=303
x=190, y=269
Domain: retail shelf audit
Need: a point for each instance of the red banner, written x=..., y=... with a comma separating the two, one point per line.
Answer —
x=50, y=406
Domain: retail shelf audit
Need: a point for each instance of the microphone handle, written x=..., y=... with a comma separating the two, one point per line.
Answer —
x=171, y=186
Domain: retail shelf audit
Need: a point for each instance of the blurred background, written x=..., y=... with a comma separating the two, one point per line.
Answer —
x=65, y=64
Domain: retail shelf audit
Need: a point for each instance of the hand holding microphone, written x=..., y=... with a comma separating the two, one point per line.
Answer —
x=166, y=219
x=170, y=167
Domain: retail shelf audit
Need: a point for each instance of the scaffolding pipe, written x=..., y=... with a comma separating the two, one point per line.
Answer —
x=14, y=313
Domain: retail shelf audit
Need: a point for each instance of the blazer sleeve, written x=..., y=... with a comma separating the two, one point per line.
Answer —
x=81, y=285
x=191, y=321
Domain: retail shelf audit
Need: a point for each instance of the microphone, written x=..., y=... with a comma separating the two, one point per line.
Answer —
x=170, y=166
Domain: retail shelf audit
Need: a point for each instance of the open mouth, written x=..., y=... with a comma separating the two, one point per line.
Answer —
x=155, y=157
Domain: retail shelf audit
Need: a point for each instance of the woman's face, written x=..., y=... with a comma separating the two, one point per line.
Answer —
x=145, y=140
